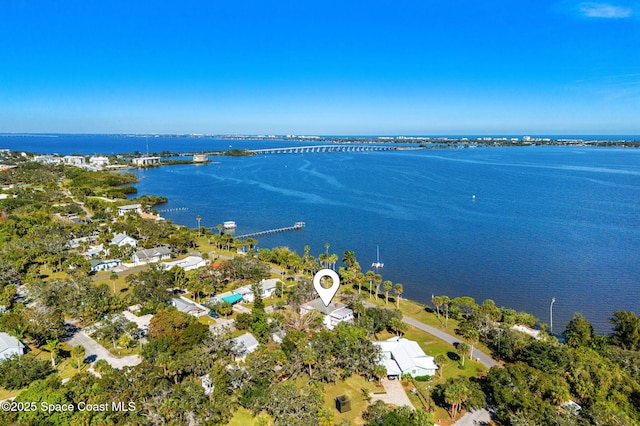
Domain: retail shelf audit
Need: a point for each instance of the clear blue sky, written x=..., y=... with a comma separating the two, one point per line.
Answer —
x=320, y=67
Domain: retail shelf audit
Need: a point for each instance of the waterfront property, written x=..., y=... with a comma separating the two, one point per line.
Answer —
x=332, y=315
x=268, y=289
x=10, y=346
x=189, y=263
x=152, y=255
x=402, y=356
x=146, y=161
x=129, y=208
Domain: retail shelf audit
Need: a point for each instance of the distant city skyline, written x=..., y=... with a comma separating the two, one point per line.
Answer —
x=559, y=67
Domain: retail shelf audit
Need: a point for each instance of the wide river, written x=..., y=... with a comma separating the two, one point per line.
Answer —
x=518, y=225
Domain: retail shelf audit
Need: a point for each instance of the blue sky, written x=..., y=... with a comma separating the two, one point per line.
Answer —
x=320, y=67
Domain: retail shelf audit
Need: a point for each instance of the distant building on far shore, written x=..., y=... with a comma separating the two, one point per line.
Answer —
x=200, y=158
x=146, y=161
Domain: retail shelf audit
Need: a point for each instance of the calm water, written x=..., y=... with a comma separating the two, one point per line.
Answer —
x=545, y=221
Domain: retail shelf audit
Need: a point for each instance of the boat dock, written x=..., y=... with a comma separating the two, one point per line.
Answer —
x=297, y=226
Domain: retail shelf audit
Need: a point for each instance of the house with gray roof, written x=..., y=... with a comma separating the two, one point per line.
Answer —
x=332, y=315
x=187, y=307
x=152, y=255
x=402, y=356
x=123, y=239
x=244, y=345
x=104, y=265
x=10, y=346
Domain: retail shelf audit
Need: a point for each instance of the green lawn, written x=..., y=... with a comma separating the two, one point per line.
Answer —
x=353, y=388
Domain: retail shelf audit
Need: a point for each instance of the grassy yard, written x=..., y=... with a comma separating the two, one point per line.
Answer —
x=353, y=388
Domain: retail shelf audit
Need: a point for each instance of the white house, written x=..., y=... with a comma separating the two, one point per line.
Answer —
x=73, y=160
x=151, y=255
x=99, y=161
x=10, y=346
x=146, y=161
x=188, y=263
x=129, y=208
x=244, y=345
x=104, y=265
x=333, y=314
x=122, y=240
x=187, y=307
x=268, y=289
x=96, y=251
x=402, y=356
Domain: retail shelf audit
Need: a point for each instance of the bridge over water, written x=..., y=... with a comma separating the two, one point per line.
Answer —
x=322, y=148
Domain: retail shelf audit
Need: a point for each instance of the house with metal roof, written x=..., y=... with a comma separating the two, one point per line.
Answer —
x=123, y=239
x=188, y=263
x=152, y=255
x=103, y=265
x=10, y=346
x=402, y=356
x=187, y=307
x=332, y=315
x=267, y=289
x=244, y=345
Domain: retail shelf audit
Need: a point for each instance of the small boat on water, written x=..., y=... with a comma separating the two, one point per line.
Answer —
x=377, y=264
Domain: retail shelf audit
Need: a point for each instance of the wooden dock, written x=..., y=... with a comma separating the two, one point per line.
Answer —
x=297, y=226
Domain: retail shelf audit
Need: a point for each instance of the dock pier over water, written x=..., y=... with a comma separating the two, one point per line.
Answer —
x=297, y=226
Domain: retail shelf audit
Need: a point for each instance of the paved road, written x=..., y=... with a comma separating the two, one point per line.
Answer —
x=482, y=357
x=95, y=351
x=395, y=394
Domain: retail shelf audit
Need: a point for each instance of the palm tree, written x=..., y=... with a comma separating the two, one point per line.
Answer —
x=387, y=286
x=377, y=279
x=472, y=337
x=198, y=219
x=455, y=394
x=463, y=350
x=398, y=289
x=359, y=280
x=370, y=277
x=52, y=347
x=309, y=358
x=326, y=248
x=446, y=302
x=77, y=352
x=113, y=277
x=437, y=302
x=441, y=360
x=219, y=226
x=379, y=371
x=348, y=258
x=397, y=326
x=358, y=308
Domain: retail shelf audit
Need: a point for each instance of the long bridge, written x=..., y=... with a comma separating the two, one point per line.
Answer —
x=295, y=227
x=322, y=148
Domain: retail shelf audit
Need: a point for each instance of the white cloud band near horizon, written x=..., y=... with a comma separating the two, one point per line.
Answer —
x=604, y=10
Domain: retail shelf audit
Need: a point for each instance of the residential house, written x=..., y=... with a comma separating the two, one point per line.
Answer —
x=152, y=255
x=402, y=356
x=146, y=161
x=188, y=263
x=122, y=240
x=99, y=161
x=244, y=345
x=10, y=346
x=187, y=307
x=333, y=314
x=73, y=160
x=268, y=289
x=96, y=251
x=129, y=208
x=227, y=296
x=104, y=265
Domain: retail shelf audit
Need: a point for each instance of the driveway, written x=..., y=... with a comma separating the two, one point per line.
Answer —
x=95, y=351
x=395, y=394
x=475, y=418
